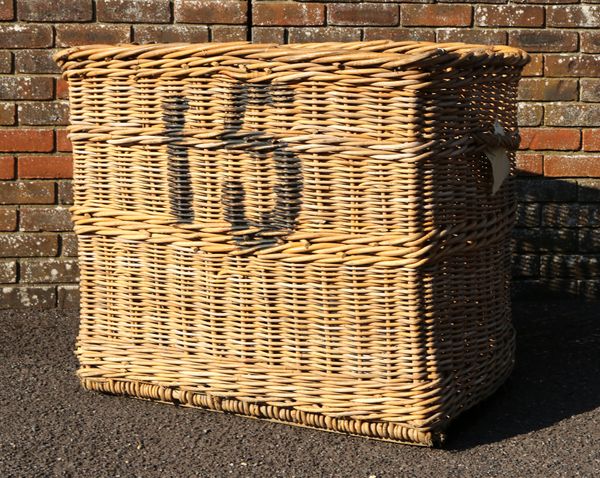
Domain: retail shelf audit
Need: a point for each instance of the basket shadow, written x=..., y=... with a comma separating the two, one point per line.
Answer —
x=555, y=317
x=555, y=378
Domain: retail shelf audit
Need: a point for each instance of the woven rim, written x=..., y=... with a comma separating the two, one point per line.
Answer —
x=281, y=60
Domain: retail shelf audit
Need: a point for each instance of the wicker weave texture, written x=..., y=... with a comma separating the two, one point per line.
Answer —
x=305, y=233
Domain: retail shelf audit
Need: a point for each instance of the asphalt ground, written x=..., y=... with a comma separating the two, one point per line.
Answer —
x=545, y=421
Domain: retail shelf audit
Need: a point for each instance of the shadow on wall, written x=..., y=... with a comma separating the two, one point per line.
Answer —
x=557, y=256
x=557, y=238
x=555, y=378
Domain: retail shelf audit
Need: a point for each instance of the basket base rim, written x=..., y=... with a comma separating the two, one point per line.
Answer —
x=395, y=433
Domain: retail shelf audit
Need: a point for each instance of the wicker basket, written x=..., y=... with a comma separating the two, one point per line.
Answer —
x=304, y=233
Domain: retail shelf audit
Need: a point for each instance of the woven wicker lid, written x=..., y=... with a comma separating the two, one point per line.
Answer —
x=308, y=58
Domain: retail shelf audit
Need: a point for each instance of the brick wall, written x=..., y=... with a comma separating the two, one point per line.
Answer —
x=557, y=241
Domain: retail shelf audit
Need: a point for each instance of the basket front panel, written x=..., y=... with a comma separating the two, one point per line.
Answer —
x=366, y=343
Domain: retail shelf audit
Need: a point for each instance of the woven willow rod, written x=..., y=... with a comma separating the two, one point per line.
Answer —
x=305, y=233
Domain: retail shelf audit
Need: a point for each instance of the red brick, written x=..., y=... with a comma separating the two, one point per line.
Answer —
x=588, y=190
x=591, y=139
x=570, y=215
x=133, y=11
x=68, y=243
x=548, y=2
x=560, y=215
x=29, y=140
x=526, y=265
x=26, y=192
x=572, y=166
x=470, y=35
x=211, y=11
x=17, y=297
x=268, y=35
x=546, y=190
x=8, y=219
x=509, y=16
x=570, y=266
x=25, y=88
x=572, y=65
x=225, y=33
x=589, y=289
x=590, y=89
x=528, y=163
x=8, y=271
x=43, y=166
x=547, y=89
x=7, y=114
x=49, y=270
x=68, y=297
x=25, y=36
x=399, y=34
x=22, y=244
x=446, y=1
x=63, y=143
x=170, y=33
x=85, y=34
x=35, y=61
x=288, y=14
x=528, y=214
x=7, y=11
x=54, y=218
x=572, y=114
x=530, y=114
x=535, y=67
x=546, y=288
x=322, y=34
x=7, y=167
x=39, y=113
x=589, y=240
x=362, y=14
x=62, y=89
x=559, y=139
x=5, y=61
x=545, y=240
x=437, y=15
x=544, y=40
x=587, y=16
x=65, y=192
x=590, y=41
x=57, y=11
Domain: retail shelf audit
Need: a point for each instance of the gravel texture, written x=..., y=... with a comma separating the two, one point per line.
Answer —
x=544, y=422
